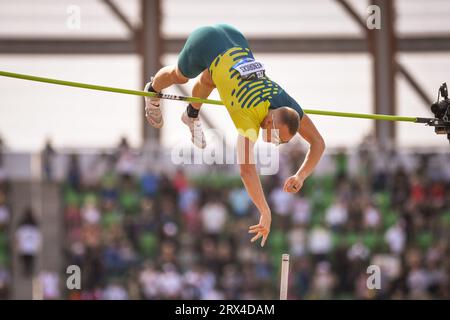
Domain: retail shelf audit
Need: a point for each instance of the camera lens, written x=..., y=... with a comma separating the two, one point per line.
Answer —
x=439, y=109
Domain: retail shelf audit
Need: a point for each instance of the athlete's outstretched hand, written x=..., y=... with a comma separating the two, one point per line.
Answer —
x=293, y=184
x=262, y=229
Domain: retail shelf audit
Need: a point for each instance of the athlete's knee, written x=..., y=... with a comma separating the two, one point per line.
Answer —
x=206, y=79
x=180, y=78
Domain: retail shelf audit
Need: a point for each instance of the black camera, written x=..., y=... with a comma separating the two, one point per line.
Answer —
x=441, y=110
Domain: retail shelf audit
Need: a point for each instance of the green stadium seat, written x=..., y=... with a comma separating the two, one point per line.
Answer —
x=148, y=244
x=337, y=239
x=110, y=219
x=424, y=239
x=445, y=218
x=72, y=198
x=129, y=201
x=351, y=238
x=3, y=241
x=383, y=200
x=371, y=240
x=90, y=197
x=327, y=182
x=4, y=259
x=390, y=218
x=317, y=217
x=109, y=181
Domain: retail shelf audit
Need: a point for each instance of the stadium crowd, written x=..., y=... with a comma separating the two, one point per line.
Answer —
x=5, y=217
x=160, y=236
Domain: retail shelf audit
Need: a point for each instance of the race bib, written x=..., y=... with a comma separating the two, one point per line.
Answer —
x=250, y=69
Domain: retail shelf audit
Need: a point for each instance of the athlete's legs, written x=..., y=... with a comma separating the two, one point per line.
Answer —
x=202, y=89
x=201, y=48
x=166, y=77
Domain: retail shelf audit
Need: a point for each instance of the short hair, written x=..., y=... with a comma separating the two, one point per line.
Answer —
x=290, y=118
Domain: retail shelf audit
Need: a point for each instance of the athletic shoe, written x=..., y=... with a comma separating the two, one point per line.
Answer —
x=152, y=109
x=195, y=126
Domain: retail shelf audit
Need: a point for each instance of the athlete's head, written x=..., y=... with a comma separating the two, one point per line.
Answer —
x=280, y=125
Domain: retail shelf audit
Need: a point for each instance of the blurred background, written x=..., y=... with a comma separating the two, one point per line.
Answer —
x=84, y=181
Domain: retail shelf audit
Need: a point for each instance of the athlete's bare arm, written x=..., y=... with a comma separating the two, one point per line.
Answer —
x=310, y=133
x=202, y=88
x=252, y=183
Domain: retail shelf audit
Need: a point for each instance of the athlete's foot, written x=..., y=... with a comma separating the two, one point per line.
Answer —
x=195, y=125
x=152, y=109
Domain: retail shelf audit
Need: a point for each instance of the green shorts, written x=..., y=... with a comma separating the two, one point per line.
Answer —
x=204, y=44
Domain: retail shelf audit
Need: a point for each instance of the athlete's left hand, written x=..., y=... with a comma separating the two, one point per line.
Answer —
x=262, y=229
x=293, y=184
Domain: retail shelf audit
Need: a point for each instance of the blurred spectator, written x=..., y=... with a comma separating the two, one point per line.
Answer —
x=5, y=246
x=341, y=160
x=337, y=215
x=396, y=238
x=180, y=181
x=90, y=212
x=170, y=282
x=5, y=283
x=73, y=172
x=323, y=281
x=240, y=201
x=281, y=201
x=100, y=165
x=302, y=277
x=297, y=241
x=49, y=282
x=115, y=291
x=2, y=149
x=358, y=252
x=149, y=184
x=231, y=281
x=372, y=217
x=302, y=211
x=4, y=212
x=126, y=159
x=2, y=170
x=160, y=236
x=437, y=276
x=149, y=281
x=418, y=279
x=214, y=216
x=320, y=242
x=417, y=190
x=400, y=188
x=29, y=239
x=47, y=158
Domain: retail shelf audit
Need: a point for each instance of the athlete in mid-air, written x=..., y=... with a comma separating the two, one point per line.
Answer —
x=221, y=55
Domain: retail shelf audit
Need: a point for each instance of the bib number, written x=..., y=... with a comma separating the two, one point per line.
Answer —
x=250, y=69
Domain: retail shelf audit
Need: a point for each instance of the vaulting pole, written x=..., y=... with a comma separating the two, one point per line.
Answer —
x=199, y=100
